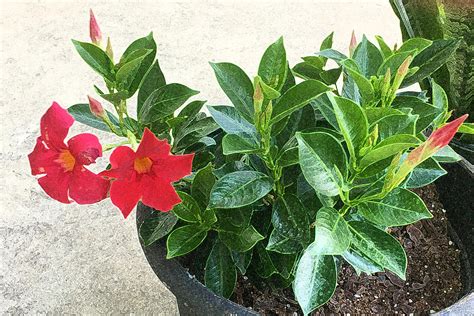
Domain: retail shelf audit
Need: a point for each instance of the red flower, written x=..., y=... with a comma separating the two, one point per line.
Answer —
x=146, y=174
x=63, y=165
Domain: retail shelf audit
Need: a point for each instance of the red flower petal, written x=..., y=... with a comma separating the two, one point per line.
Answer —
x=55, y=125
x=159, y=194
x=56, y=185
x=125, y=194
x=121, y=162
x=42, y=159
x=173, y=167
x=443, y=135
x=85, y=148
x=150, y=146
x=86, y=187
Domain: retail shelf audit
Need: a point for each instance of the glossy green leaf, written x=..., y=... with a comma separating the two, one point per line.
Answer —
x=127, y=75
x=157, y=227
x=387, y=148
x=416, y=43
x=394, y=62
x=82, y=113
x=332, y=235
x=446, y=154
x=307, y=71
x=440, y=102
x=263, y=264
x=431, y=59
x=164, y=101
x=297, y=97
x=187, y=115
x=220, y=274
x=231, y=121
x=184, y=240
x=153, y=80
x=188, y=210
x=231, y=167
x=95, y=57
x=194, y=131
x=315, y=280
x=240, y=188
x=115, y=97
x=368, y=58
x=361, y=263
x=234, y=220
x=273, y=65
x=384, y=48
x=379, y=247
x=324, y=105
x=289, y=218
x=281, y=244
x=396, y=124
x=242, y=260
x=365, y=86
x=425, y=173
x=400, y=207
x=425, y=111
x=283, y=263
x=144, y=43
x=235, y=144
x=326, y=44
x=331, y=54
x=242, y=241
x=320, y=154
x=202, y=185
x=288, y=158
x=237, y=86
x=352, y=123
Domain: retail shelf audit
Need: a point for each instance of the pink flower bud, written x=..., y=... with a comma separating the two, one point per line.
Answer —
x=443, y=135
x=96, y=108
x=353, y=44
x=94, y=29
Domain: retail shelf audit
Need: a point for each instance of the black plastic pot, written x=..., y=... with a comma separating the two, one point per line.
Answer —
x=456, y=193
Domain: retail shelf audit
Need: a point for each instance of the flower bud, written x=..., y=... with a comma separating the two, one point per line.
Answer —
x=108, y=49
x=352, y=44
x=94, y=30
x=96, y=108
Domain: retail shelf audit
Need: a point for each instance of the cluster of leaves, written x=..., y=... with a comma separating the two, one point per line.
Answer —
x=294, y=177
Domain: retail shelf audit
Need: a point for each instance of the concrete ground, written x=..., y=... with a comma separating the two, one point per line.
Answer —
x=87, y=259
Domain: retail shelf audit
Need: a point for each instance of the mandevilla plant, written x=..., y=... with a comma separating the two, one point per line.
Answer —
x=285, y=184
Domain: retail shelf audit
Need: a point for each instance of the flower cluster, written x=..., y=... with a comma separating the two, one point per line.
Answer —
x=145, y=175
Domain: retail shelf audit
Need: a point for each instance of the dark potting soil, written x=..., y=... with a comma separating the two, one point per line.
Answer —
x=433, y=276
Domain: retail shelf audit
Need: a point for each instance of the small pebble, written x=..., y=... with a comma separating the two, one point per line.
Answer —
x=450, y=242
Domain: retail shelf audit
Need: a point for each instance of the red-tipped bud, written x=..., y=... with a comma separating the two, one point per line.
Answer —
x=96, y=108
x=352, y=44
x=443, y=135
x=94, y=30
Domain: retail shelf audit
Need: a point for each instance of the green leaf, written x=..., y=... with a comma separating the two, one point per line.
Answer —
x=320, y=154
x=431, y=59
x=400, y=207
x=379, y=247
x=115, y=97
x=208, y=218
x=95, y=57
x=416, y=43
x=237, y=86
x=231, y=121
x=297, y=97
x=194, y=132
x=263, y=262
x=331, y=54
x=326, y=44
x=288, y=158
x=315, y=280
x=289, y=218
x=393, y=62
x=82, y=113
x=281, y=244
x=361, y=263
x=365, y=86
x=231, y=167
x=396, y=124
x=387, y=148
x=324, y=105
x=153, y=80
x=368, y=58
x=234, y=144
x=202, y=185
x=144, y=43
x=187, y=116
x=332, y=235
x=384, y=48
x=220, y=274
x=184, y=240
x=352, y=123
x=446, y=154
x=440, y=102
x=127, y=74
x=307, y=71
x=234, y=220
x=283, y=263
x=164, y=101
x=188, y=210
x=467, y=128
x=242, y=241
x=273, y=65
x=242, y=260
x=425, y=111
x=425, y=173
x=240, y=188
x=157, y=227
